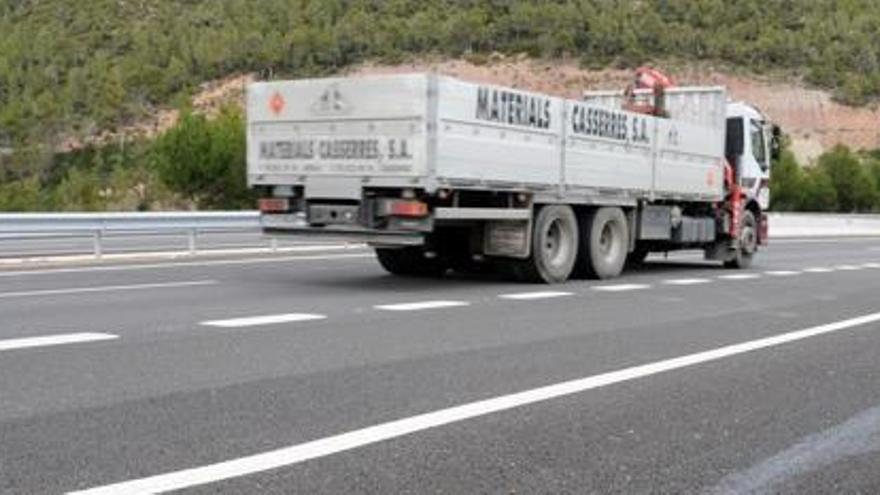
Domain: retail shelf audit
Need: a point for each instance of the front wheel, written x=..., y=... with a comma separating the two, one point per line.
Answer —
x=748, y=243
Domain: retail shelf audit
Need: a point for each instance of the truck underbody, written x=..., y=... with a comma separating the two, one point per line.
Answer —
x=417, y=233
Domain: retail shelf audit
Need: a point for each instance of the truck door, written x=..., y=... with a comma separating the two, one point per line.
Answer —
x=755, y=173
x=748, y=149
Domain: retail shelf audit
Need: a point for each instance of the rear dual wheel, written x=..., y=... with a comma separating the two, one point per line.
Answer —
x=604, y=243
x=554, y=247
x=592, y=246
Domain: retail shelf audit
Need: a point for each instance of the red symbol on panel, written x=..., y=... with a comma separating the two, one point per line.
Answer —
x=276, y=103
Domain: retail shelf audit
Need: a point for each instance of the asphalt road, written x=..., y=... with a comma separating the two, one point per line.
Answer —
x=318, y=373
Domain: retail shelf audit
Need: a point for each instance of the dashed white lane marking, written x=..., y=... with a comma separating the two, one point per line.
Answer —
x=740, y=276
x=327, y=446
x=418, y=306
x=547, y=294
x=818, y=269
x=687, y=281
x=847, y=268
x=252, y=321
x=621, y=287
x=782, y=273
x=51, y=340
x=106, y=288
x=871, y=265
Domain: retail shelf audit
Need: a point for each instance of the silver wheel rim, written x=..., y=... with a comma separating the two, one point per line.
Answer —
x=608, y=241
x=749, y=240
x=557, y=243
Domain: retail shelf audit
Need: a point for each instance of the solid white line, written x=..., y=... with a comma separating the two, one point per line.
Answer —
x=106, y=288
x=299, y=453
x=818, y=269
x=75, y=258
x=782, y=273
x=252, y=321
x=687, y=281
x=50, y=340
x=417, y=306
x=621, y=287
x=740, y=276
x=151, y=266
x=524, y=296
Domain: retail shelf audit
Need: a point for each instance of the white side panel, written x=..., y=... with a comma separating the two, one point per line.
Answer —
x=704, y=106
x=689, y=145
x=608, y=149
x=353, y=127
x=689, y=160
x=487, y=133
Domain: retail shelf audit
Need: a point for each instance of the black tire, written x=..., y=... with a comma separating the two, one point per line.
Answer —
x=748, y=243
x=636, y=258
x=604, y=242
x=554, y=247
x=410, y=261
x=458, y=247
x=465, y=265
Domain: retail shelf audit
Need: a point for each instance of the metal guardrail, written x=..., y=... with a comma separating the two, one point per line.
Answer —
x=98, y=225
x=823, y=225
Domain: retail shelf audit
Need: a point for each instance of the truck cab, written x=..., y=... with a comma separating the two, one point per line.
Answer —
x=751, y=142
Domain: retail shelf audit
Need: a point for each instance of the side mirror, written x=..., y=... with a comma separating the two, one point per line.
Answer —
x=775, y=142
x=734, y=143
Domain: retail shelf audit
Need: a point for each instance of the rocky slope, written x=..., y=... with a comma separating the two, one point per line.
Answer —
x=810, y=117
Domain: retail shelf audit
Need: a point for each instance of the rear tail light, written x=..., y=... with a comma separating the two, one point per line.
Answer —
x=408, y=208
x=274, y=205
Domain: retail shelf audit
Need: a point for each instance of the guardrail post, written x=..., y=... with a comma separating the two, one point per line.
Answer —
x=192, y=242
x=97, y=240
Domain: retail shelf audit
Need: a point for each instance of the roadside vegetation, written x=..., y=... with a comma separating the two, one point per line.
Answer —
x=70, y=70
x=840, y=181
x=198, y=163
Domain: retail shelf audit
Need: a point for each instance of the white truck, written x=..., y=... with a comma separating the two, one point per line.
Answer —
x=439, y=174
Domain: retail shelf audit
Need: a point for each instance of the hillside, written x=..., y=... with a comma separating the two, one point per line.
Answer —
x=103, y=103
x=76, y=69
x=814, y=121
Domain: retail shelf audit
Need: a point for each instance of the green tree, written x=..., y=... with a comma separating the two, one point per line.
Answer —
x=204, y=160
x=81, y=190
x=854, y=185
x=819, y=192
x=21, y=195
x=787, y=183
